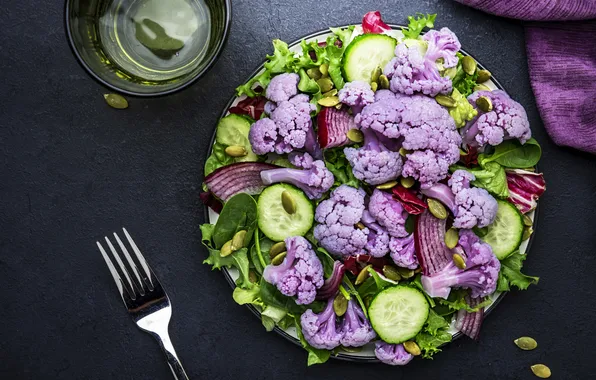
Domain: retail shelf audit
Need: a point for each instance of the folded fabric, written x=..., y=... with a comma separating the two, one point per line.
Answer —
x=561, y=61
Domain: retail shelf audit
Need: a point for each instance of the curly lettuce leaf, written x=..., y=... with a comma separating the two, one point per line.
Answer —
x=307, y=84
x=463, y=110
x=456, y=301
x=337, y=163
x=417, y=23
x=463, y=82
x=490, y=176
x=433, y=335
x=511, y=275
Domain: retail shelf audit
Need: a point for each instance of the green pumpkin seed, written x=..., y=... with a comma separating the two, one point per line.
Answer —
x=391, y=272
x=526, y=343
x=451, y=238
x=276, y=249
x=417, y=270
x=541, y=371
x=288, y=202
x=314, y=73
x=376, y=74
x=226, y=249
x=481, y=87
x=279, y=258
x=350, y=349
x=363, y=275
x=450, y=72
x=324, y=69
x=528, y=221
x=238, y=240
x=360, y=226
x=252, y=276
x=407, y=182
x=340, y=305
x=484, y=103
x=387, y=185
x=469, y=65
x=116, y=101
x=436, y=208
x=236, y=151
x=528, y=231
x=412, y=348
x=325, y=84
x=459, y=261
x=483, y=76
x=405, y=272
x=331, y=93
x=355, y=135
x=403, y=152
x=445, y=101
x=331, y=101
x=367, y=301
x=384, y=82
x=374, y=86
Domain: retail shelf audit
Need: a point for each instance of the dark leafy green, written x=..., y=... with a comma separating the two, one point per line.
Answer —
x=326, y=260
x=512, y=154
x=511, y=275
x=272, y=297
x=239, y=213
x=433, y=335
x=315, y=355
x=217, y=159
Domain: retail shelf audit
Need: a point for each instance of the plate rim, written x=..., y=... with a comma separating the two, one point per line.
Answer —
x=284, y=334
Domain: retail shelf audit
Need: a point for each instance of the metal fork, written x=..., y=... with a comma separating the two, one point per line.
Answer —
x=144, y=297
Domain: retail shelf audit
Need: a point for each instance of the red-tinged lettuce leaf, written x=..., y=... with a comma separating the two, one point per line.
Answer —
x=373, y=23
x=253, y=107
x=525, y=188
x=408, y=198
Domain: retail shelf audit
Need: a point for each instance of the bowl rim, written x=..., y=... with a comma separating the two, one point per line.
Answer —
x=214, y=57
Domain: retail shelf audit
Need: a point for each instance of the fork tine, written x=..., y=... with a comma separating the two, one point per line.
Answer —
x=130, y=262
x=121, y=264
x=139, y=257
x=112, y=269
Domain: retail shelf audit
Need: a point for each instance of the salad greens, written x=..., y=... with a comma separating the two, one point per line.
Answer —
x=331, y=229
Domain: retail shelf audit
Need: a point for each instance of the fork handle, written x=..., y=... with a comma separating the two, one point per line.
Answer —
x=168, y=348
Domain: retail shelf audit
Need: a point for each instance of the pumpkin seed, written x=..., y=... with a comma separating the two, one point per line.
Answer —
x=469, y=65
x=384, y=82
x=314, y=73
x=374, y=86
x=405, y=272
x=339, y=106
x=528, y=221
x=360, y=226
x=484, y=103
x=116, y=101
x=481, y=87
x=446, y=101
x=330, y=93
x=324, y=69
x=279, y=258
x=277, y=248
x=528, y=231
x=363, y=275
x=451, y=238
x=418, y=270
x=412, y=348
x=252, y=276
x=459, y=261
x=403, y=152
x=367, y=301
x=407, y=182
x=340, y=305
x=483, y=76
x=325, y=84
x=526, y=343
x=226, y=249
x=236, y=151
x=350, y=349
x=288, y=202
x=387, y=185
x=541, y=371
x=330, y=101
x=355, y=135
x=238, y=240
x=391, y=272
x=376, y=74
x=450, y=72
x=436, y=208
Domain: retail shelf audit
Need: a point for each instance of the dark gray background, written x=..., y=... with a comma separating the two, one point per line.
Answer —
x=73, y=169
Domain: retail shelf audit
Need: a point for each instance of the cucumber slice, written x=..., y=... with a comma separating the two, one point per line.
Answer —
x=365, y=53
x=273, y=219
x=398, y=313
x=504, y=235
x=233, y=130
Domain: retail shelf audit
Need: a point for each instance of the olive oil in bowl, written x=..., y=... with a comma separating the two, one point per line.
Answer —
x=154, y=40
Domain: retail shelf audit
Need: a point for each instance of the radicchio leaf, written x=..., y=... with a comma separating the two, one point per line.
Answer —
x=373, y=23
x=407, y=197
x=252, y=107
x=525, y=188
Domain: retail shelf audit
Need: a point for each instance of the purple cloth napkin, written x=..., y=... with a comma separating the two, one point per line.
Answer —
x=562, y=63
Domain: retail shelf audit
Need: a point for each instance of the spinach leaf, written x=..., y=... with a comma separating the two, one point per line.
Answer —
x=217, y=159
x=315, y=355
x=273, y=297
x=512, y=154
x=326, y=260
x=239, y=213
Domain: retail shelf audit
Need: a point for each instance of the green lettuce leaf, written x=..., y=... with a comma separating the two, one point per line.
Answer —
x=416, y=24
x=337, y=163
x=456, y=301
x=315, y=355
x=429, y=344
x=490, y=176
x=435, y=322
x=463, y=82
x=511, y=275
x=307, y=84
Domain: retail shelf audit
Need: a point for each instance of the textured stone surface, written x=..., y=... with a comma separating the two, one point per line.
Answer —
x=73, y=170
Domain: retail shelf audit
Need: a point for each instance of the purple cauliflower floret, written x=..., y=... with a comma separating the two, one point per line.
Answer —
x=378, y=238
x=507, y=120
x=480, y=274
x=384, y=94
x=373, y=163
x=388, y=212
x=301, y=160
x=415, y=70
x=282, y=87
x=315, y=181
x=337, y=216
x=355, y=327
x=383, y=117
x=356, y=94
x=320, y=330
x=403, y=252
x=269, y=107
x=471, y=206
x=392, y=354
x=300, y=274
x=427, y=166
